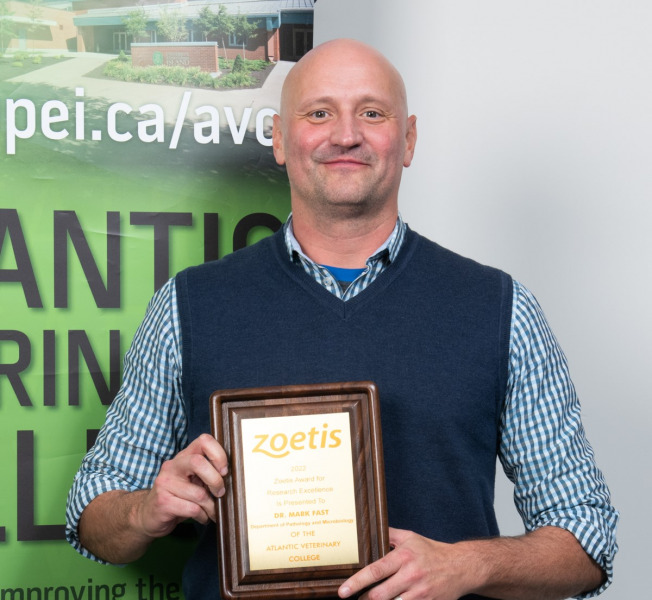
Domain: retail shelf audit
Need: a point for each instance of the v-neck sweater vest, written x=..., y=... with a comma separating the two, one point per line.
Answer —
x=432, y=331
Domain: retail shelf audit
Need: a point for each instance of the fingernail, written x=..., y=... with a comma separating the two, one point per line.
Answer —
x=344, y=592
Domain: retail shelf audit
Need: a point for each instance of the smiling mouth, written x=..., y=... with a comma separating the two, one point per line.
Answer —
x=345, y=162
x=345, y=158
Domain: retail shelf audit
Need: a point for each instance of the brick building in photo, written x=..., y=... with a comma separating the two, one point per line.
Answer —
x=282, y=29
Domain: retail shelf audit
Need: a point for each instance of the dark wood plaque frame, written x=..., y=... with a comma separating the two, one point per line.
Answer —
x=228, y=409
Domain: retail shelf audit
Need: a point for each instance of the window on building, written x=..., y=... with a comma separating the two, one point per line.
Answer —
x=235, y=40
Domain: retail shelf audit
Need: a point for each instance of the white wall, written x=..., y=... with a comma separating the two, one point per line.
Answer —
x=535, y=155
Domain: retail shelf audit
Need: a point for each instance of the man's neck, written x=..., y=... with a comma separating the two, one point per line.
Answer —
x=346, y=243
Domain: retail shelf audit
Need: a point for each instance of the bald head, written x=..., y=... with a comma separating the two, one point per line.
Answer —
x=344, y=133
x=335, y=57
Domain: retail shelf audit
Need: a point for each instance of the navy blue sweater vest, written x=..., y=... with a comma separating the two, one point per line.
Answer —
x=432, y=332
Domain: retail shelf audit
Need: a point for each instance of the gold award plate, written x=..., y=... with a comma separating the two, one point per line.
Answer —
x=304, y=507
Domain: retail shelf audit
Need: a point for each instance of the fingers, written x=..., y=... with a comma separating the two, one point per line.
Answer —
x=205, y=459
x=213, y=451
x=377, y=571
x=186, y=486
x=167, y=506
x=372, y=574
x=416, y=569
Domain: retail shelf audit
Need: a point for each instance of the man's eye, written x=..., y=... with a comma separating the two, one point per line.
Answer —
x=319, y=114
x=371, y=114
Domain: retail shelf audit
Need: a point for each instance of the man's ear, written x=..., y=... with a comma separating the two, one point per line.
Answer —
x=410, y=140
x=277, y=141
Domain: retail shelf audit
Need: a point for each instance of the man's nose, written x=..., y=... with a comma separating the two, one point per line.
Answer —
x=346, y=131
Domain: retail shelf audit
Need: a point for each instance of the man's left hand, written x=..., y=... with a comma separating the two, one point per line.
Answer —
x=545, y=564
x=417, y=568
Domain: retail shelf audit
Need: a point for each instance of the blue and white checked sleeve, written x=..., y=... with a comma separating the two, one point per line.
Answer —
x=146, y=424
x=543, y=447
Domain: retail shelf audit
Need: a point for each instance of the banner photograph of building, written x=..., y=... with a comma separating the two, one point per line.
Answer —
x=268, y=30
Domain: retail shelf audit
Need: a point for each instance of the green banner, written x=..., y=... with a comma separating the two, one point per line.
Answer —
x=108, y=188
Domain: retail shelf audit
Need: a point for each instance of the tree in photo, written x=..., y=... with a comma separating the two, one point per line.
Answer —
x=172, y=25
x=136, y=24
x=206, y=22
x=243, y=29
x=34, y=12
x=7, y=32
x=223, y=26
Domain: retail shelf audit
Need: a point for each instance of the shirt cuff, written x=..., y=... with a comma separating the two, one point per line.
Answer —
x=596, y=539
x=85, y=488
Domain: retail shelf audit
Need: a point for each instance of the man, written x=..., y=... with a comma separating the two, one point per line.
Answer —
x=465, y=365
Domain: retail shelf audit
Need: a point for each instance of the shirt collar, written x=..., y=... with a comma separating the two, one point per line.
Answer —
x=389, y=249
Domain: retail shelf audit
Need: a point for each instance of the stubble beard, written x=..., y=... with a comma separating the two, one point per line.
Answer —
x=334, y=204
x=347, y=196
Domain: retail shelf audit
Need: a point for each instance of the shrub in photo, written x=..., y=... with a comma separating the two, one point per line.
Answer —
x=238, y=65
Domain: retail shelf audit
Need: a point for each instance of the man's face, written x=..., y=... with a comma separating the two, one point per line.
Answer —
x=344, y=133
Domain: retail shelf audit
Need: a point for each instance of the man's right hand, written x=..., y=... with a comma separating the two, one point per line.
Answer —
x=118, y=526
x=185, y=488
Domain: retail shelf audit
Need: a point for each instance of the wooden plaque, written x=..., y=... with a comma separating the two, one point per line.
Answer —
x=304, y=507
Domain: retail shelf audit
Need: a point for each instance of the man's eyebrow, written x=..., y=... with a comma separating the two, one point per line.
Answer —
x=316, y=100
x=368, y=99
